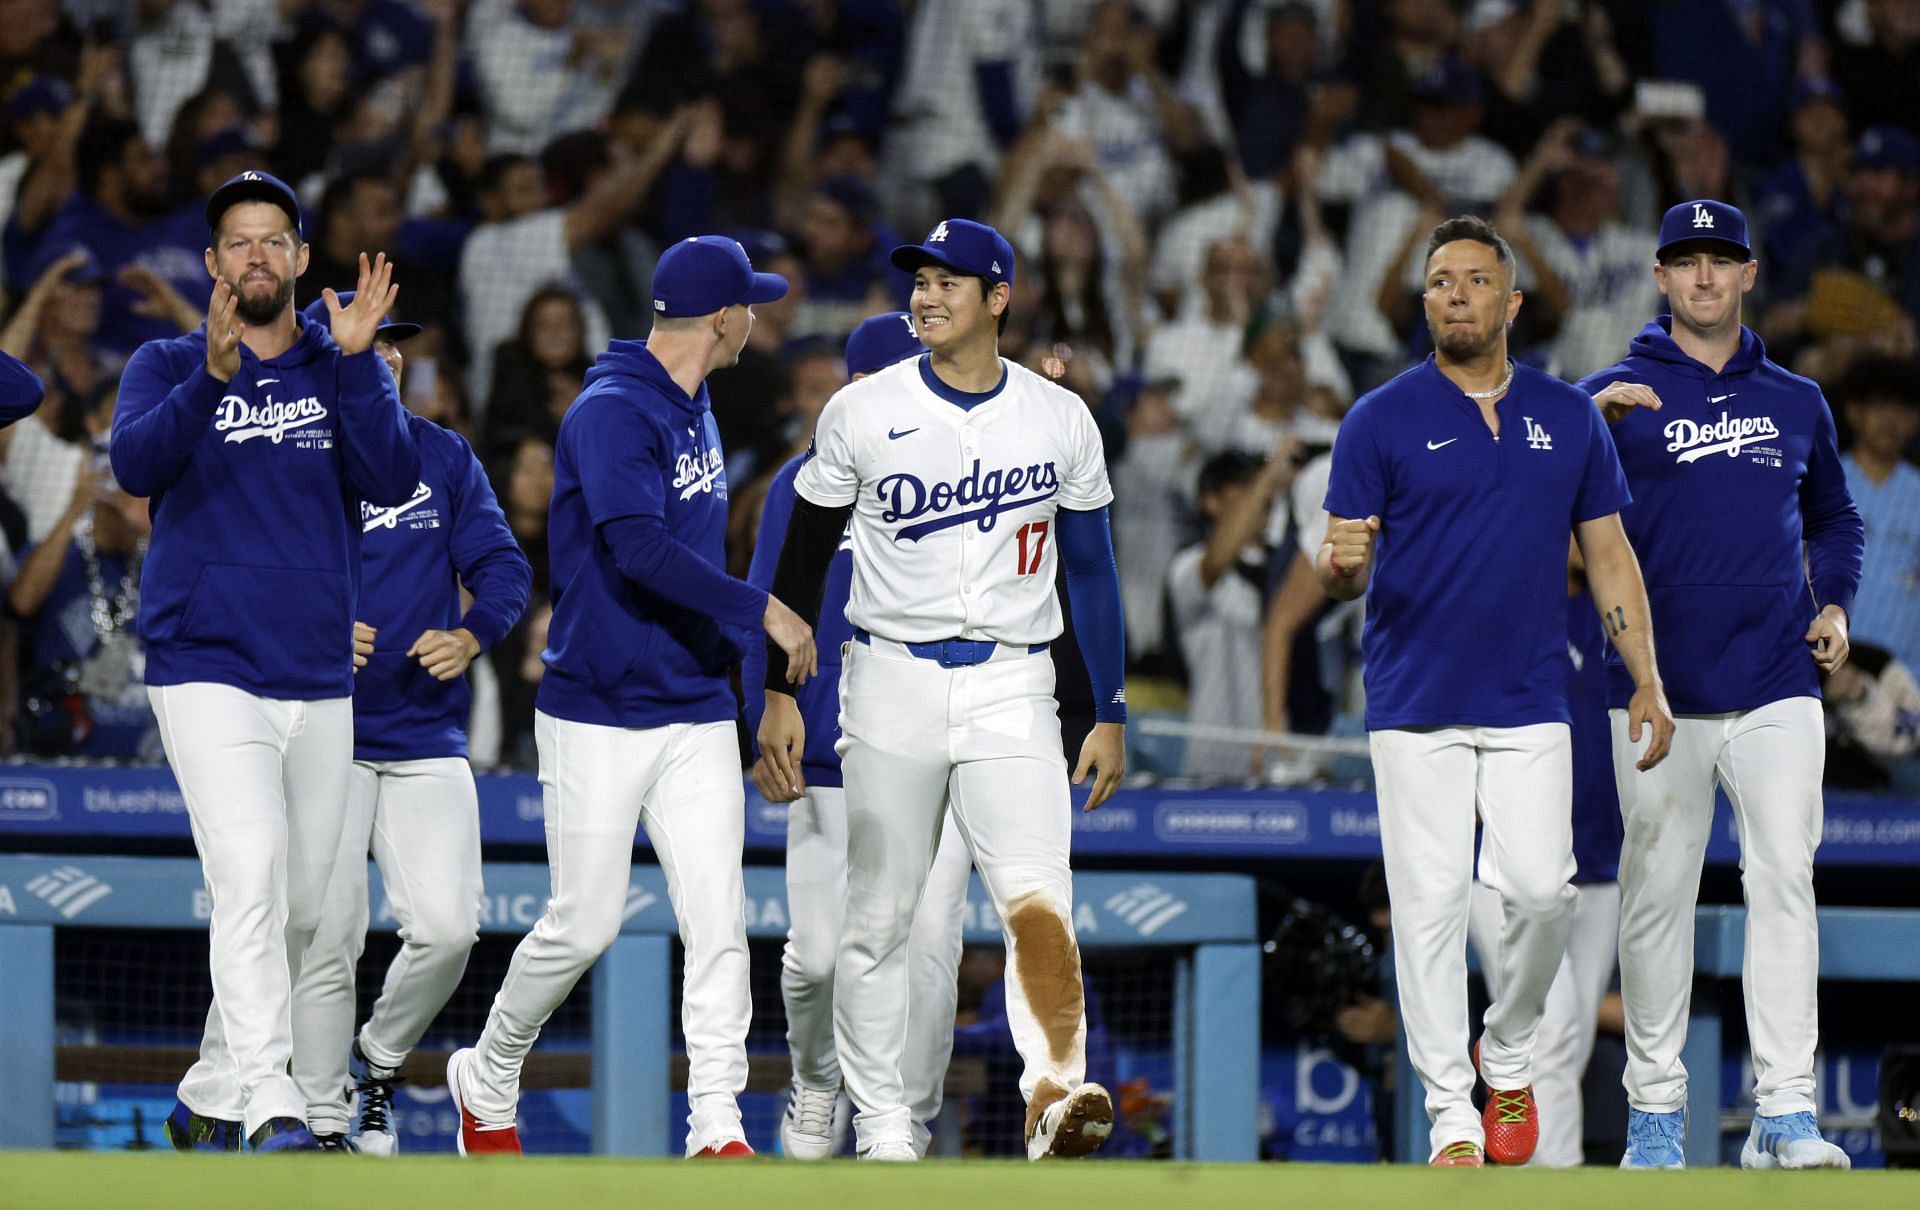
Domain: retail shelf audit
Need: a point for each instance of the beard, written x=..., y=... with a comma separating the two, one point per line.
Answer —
x=260, y=311
x=1465, y=345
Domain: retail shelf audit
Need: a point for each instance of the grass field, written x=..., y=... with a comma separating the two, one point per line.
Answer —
x=149, y=1182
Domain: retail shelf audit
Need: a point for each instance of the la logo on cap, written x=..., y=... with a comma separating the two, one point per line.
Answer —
x=249, y=176
x=1702, y=217
x=939, y=233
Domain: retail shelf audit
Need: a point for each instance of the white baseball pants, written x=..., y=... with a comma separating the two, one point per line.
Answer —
x=421, y=819
x=1567, y=1026
x=682, y=782
x=1771, y=761
x=1431, y=782
x=919, y=742
x=817, y=902
x=264, y=781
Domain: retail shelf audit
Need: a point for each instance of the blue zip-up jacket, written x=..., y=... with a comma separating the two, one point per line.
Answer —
x=254, y=486
x=1738, y=499
x=413, y=559
x=20, y=390
x=819, y=698
x=646, y=622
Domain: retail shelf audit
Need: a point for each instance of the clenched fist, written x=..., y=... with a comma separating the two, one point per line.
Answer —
x=1352, y=543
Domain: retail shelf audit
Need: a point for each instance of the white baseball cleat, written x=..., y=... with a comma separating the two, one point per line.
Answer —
x=1074, y=1125
x=1791, y=1141
x=891, y=1151
x=806, y=1130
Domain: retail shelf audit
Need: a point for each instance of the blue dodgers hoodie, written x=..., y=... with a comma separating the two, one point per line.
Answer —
x=646, y=623
x=1738, y=499
x=413, y=559
x=819, y=698
x=254, y=488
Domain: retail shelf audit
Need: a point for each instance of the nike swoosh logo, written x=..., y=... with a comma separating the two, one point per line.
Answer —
x=1437, y=445
x=896, y=434
x=1718, y=398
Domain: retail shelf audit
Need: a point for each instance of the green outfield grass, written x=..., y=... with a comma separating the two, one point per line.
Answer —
x=153, y=1181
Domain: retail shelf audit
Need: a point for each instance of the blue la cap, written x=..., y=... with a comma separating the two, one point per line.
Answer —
x=1703, y=220
x=42, y=94
x=1817, y=88
x=1887, y=147
x=1449, y=82
x=391, y=331
x=233, y=141
x=964, y=246
x=86, y=273
x=706, y=273
x=253, y=186
x=881, y=340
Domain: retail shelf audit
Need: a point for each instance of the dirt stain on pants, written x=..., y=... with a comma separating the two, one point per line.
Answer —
x=1046, y=961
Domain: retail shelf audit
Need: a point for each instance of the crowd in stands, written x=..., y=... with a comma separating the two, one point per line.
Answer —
x=1220, y=209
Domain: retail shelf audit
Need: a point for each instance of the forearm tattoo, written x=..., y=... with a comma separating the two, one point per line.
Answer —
x=1616, y=621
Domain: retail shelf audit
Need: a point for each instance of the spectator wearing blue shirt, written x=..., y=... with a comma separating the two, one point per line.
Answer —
x=1455, y=490
x=635, y=717
x=1881, y=396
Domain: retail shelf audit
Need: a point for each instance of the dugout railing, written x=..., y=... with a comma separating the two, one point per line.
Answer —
x=1205, y=922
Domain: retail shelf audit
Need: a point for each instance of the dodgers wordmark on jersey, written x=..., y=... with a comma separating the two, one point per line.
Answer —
x=954, y=498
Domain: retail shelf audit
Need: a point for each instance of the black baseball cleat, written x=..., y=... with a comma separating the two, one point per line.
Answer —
x=335, y=1142
x=190, y=1131
x=284, y=1134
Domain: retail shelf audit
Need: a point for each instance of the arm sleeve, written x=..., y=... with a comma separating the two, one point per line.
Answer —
x=1603, y=484
x=383, y=463
x=647, y=553
x=1357, y=486
x=1093, y=588
x=800, y=577
x=20, y=390
x=491, y=564
x=766, y=557
x=1836, y=538
x=158, y=421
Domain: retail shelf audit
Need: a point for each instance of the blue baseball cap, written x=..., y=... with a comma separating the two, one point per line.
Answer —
x=881, y=340
x=42, y=94
x=706, y=273
x=1703, y=221
x=1817, y=88
x=1449, y=82
x=88, y=272
x=253, y=186
x=391, y=331
x=964, y=246
x=1887, y=147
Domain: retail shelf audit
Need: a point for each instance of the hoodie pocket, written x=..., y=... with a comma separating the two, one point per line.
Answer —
x=270, y=613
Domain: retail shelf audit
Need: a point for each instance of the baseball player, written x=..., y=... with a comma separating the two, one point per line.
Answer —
x=1752, y=548
x=635, y=718
x=962, y=474
x=20, y=390
x=1571, y=1015
x=411, y=797
x=1455, y=489
x=254, y=438
x=817, y=843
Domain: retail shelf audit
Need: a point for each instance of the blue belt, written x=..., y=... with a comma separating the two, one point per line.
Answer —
x=953, y=653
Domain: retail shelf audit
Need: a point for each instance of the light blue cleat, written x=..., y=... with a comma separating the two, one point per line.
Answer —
x=1654, y=1139
x=1791, y=1140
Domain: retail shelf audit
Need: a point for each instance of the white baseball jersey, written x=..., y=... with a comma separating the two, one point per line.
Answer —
x=954, y=507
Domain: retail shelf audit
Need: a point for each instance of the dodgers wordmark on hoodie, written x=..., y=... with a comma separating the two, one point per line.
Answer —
x=646, y=621
x=254, y=486
x=1741, y=519
x=414, y=558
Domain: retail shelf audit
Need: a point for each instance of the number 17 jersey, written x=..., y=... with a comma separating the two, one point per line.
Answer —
x=954, y=496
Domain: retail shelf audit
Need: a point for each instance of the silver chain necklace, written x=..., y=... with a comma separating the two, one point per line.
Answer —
x=1499, y=390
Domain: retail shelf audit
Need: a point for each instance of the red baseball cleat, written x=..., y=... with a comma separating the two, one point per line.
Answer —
x=731, y=1149
x=477, y=1137
x=1512, y=1123
x=1458, y=1155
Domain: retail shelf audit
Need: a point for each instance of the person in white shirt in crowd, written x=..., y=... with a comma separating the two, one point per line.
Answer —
x=1442, y=163
x=1216, y=594
x=546, y=67
x=1151, y=480
x=1205, y=348
x=1218, y=202
x=1601, y=262
x=1127, y=108
x=522, y=243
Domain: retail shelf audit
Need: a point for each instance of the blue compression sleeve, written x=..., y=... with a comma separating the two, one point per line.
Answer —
x=1093, y=589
